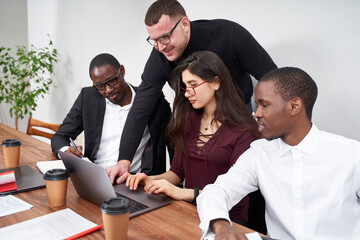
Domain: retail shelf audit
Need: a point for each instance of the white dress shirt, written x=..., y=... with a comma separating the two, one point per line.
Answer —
x=114, y=121
x=311, y=190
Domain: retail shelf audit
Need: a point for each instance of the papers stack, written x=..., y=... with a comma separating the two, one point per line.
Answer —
x=63, y=224
x=10, y=204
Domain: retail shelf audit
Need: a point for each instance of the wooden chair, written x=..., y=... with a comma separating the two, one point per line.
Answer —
x=39, y=124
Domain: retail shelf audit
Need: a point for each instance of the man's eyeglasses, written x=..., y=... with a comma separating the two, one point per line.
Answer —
x=111, y=82
x=191, y=90
x=164, y=39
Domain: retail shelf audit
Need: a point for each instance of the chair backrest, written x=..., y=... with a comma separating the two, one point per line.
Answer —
x=37, y=123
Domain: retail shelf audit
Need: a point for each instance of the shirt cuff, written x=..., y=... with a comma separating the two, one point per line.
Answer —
x=63, y=149
x=207, y=233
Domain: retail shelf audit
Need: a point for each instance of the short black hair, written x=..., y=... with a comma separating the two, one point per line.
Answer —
x=103, y=59
x=292, y=82
x=172, y=8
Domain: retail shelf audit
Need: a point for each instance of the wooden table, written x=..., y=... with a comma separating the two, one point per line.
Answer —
x=178, y=220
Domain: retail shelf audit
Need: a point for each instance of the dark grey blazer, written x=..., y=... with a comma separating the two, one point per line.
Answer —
x=87, y=114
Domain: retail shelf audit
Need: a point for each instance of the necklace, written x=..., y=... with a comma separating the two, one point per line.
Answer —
x=207, y=125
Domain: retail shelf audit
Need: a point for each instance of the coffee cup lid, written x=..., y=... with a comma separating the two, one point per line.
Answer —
x=56, y=174
x=11, y=143
x=115, y=206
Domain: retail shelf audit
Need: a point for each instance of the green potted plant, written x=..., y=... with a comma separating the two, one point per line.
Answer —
x=25, y=77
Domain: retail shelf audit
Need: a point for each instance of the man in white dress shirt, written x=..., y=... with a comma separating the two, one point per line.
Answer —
x=101, y=111
x=310, y=179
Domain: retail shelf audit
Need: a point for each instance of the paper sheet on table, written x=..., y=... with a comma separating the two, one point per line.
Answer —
x=10, y=204
x=250, y=236
x=57, y=225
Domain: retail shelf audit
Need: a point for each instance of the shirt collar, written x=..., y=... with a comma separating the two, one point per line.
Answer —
x=126, y=107
x=307, y=145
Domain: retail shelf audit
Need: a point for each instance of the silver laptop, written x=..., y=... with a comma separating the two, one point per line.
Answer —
x=92, y=183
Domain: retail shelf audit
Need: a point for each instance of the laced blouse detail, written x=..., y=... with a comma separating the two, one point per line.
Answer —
x=202, y=140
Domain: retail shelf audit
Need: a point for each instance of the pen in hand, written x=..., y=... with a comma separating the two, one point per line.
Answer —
x=72, y=143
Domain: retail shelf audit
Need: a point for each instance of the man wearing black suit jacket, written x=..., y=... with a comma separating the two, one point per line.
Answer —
x=101, y=111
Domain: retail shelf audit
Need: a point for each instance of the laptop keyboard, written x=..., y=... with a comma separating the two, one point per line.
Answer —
x=135, y=206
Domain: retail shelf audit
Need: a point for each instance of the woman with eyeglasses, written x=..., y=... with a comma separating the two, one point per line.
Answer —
x=210, y=127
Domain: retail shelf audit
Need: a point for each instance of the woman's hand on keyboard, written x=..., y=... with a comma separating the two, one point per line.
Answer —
x=163, y=186
x=133, y=181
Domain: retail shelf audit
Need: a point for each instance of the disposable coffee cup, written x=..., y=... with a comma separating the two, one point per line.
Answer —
x=56, y=186
x=11, y=149
x=115, y=215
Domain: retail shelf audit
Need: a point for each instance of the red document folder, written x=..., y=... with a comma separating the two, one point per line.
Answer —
x=7, y=181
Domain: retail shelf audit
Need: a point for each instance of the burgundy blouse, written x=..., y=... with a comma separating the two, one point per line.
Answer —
x=217, y=155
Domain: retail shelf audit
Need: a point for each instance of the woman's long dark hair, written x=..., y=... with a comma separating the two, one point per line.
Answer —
x=230, y=111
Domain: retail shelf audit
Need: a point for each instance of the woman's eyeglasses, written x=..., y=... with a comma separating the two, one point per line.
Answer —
x=111, y=82
x=190, y=90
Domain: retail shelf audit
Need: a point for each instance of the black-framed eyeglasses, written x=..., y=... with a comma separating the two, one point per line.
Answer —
x=165, y=39
x=111, y=82
x=191, y=90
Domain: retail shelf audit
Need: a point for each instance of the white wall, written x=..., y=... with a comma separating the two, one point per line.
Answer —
x=13, y=32
x=322, y=37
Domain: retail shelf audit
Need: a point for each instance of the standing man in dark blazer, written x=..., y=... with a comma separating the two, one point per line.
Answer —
x=101, y=111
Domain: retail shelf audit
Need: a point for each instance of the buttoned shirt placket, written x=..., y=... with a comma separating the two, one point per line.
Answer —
x=297, y=190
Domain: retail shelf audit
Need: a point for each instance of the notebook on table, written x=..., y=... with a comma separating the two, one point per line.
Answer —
x=92, y=183
x=27, y=179
x=45, y=166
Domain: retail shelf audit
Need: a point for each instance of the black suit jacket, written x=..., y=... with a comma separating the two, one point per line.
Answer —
x=87, y=114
